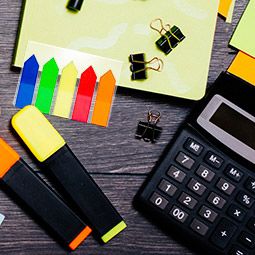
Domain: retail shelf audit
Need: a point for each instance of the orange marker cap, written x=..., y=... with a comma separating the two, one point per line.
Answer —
x=8, y=157
x=80, y=238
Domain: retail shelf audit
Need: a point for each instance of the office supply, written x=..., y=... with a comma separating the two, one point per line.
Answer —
x=116, y=37
x=170, y=36
x=66, y=89
x=75, y=5
x=243, y=66
x=51, y=150
x=104, y=99
x=43, y=202
x=203, y=186
x=224, y=7
x=149, y=131
x=65, y=92
x=2, y=217
x=84, y=96
x=231, y=12
x=48, y=82
x=139, y=66
x=243, y=38
x=24, y=94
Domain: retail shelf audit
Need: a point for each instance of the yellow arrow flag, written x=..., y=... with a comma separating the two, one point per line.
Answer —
x=66, y=91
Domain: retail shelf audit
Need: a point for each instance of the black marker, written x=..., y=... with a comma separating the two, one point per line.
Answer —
x=40, y=198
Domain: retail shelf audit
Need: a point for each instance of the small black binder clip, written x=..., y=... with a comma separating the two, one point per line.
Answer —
x=170, y=36
x=139, y=66
x=149, y=131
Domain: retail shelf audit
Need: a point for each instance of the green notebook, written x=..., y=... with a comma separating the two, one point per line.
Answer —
x=117, y=28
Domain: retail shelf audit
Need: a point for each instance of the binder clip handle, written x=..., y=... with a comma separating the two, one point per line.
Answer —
x=153, y=117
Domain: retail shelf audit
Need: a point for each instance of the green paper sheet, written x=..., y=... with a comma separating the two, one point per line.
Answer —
x=117, y=28
x=244, y=36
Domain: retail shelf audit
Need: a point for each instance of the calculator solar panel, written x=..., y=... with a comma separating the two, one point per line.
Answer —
x=202, y=190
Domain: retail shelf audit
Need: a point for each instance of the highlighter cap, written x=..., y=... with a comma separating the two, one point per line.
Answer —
x=8, y=157
x=37, y=133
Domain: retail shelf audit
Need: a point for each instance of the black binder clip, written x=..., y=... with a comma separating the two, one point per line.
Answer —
x=170, y=36
x=139, y=66
x=75, y=5
x=149, y=131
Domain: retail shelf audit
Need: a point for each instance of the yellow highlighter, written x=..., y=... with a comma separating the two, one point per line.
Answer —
x=50, y=148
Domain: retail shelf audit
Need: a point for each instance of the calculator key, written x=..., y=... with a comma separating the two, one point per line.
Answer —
x=196, y=187
x=237, y=250
x=205, y=173
x=251, y=225
x=216, y=200
x=185, y=160
x=223, y=233
x=199, y=227
x=236, y=212
x=250, y=184
x=167, y=187
x=194, y=147
x=158, y=201
x=176, y=174
x=233, y=173
x=214, y=160
x=178, y=214
x=187, y=200
x=208, y=214
x=247, y=239
x=245, y=199
x=225, y=186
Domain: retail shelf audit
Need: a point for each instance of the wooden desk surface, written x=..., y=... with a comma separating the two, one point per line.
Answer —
x=117, y=161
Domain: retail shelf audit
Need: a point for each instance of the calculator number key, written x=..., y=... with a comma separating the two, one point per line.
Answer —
x=158, y=201
x=194, y=147
x=208, y=214
x=205, y=173
x=167, y=187
x=185, y=160
x=187, y=200
x=225, y=186
x=178, y=214
x=245, y=199
x=176, y=174
x=216, y=200
x=233, y=173
x=196, y=187
x=250, y=184
x=214, y=160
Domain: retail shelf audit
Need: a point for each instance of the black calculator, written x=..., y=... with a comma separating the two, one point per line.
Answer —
x=202, y=189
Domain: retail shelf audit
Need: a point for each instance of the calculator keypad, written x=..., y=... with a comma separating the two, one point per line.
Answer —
x=210, y=195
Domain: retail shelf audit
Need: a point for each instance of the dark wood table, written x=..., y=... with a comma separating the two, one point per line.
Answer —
x=117, y=161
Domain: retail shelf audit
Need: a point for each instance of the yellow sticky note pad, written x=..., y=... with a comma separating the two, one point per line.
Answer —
x=244, y=36
x=116, y=29
x=243, y=66
x=224, y=7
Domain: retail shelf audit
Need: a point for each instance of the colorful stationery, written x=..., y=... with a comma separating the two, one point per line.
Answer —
x=244, y=37
x=243, y=66
x=78, y=187
x=40, y=199
x=114, y=33
x=71, y=97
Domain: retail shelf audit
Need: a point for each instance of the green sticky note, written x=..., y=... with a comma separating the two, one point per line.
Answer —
x=47, y=85
x=244, y=36
x=115, y=29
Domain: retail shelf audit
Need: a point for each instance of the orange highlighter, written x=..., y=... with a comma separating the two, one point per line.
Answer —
x=40, y=199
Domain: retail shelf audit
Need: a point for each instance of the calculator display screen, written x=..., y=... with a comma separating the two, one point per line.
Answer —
x=231, y=125
x=235, y=124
